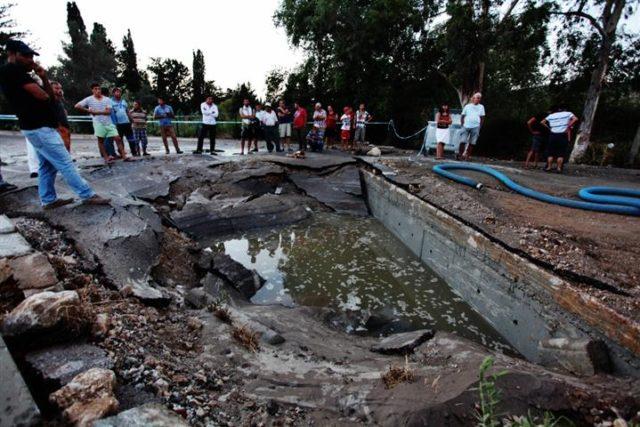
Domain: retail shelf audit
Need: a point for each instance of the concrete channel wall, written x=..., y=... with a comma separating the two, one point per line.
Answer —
x=524, y=302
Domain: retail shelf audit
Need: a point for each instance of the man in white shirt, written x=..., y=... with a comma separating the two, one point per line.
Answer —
x=269, y=120
x=362, y=118
x=472, y=119
x=246, y=133
x=209, y=115
x=559, y=122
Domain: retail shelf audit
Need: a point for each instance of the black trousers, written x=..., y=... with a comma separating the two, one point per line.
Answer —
x=272, y=137
x=204, y=131
x=125, y=130
x=300, y=135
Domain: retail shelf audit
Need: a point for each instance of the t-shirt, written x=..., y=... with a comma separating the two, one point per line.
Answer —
x=32, y=113
x=246, y=110
x=119, y=111
x=300, y=118
x=536, y=126
x=269, y=118
x=472, y=114
x=362, y=117
x=139, y=118
x=319, y=119
x=346, y=122
x=284, y=117
x=331, y=120
x=60, y=113
x=163, y=110
x=96, y=104
x=559, y=122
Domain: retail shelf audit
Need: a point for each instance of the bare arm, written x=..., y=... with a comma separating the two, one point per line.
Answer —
x=36, y=91
x=530, y=123
x=481, y=121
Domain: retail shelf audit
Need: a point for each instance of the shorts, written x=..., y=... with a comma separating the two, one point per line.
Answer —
x=247, y=132
x=443, y=135
x=359, y=136
x=167, y=131
x=105, y=131
x=557, y=145
x=469, y=135
x=125, y=129
x=285, y=130
x=536, y=142
x=345, y=134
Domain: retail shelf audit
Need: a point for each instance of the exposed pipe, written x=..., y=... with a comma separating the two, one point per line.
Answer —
x=624, y=201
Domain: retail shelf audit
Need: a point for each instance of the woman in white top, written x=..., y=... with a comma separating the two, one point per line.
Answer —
x=443, y=121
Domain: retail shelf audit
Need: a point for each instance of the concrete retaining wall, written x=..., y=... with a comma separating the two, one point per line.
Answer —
x=524, y=302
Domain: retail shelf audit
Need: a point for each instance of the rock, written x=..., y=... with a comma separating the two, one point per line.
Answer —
x=33, y=271
x=101, y=325
x=194, y=323
x=146, y=293
x=50, y=316
x=148, y=415
x=13, y=245
x=247, y=282
x=17, y=407
x=198, y=298
x=204, y=261
x=582, y=357
x=5, y=270
x=403, y=343
x=374, y=152
x=88, y=397
x=57, y=365
x=6, y=226
x=214, y=286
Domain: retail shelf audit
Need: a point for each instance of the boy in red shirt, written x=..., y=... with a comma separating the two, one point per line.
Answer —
x=299, y=125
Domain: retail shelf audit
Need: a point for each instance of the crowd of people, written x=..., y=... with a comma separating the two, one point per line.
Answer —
x=550, y=133
x=39, y=107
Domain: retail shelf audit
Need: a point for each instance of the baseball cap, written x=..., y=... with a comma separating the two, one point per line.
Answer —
x=20, y=47
x=267, y=104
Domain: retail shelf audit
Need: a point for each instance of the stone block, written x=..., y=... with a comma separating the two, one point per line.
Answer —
x=6, y=226
x=17, y=407
x=148, y=415
x=13, y=245
x=403, y=343
x=581, y=357
x=33, y=271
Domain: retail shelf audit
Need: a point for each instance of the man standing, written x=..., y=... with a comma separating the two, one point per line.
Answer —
x=256, y=125
x=164, y=113
x=246, y=132
x=269, y=121
x=64, y=129
x=284, y=119
x=32, y=104
x=362, y=118
x=99, y=107
x=319, y=121
x=559, y=123
x=299, y=126
x=472, y=119
x=120, y=116
x=209, y=115
x=139, y=123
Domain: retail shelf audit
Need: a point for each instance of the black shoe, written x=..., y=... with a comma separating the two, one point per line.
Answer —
x=179, y=152
x=33, y=175
x=255, y=150
x=197, y=152
x=146, y=154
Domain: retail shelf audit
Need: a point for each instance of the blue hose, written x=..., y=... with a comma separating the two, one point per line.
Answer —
x=624, y=201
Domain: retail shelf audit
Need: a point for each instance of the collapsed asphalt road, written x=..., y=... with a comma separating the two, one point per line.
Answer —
x=172, y=321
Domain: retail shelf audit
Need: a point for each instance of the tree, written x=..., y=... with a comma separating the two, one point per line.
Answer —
x=170, y=80
x=603, y=17
x=128, y=73
x=86, y=59
x=275, y=83
x=7, y=28
x=198, y=82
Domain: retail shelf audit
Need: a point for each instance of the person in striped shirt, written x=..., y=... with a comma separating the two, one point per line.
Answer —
x=559, y=122
x=139, y=117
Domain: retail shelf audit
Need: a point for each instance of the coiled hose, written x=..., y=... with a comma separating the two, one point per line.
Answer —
x=624, y=201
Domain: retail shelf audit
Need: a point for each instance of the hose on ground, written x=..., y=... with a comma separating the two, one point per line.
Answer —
x=625, y=201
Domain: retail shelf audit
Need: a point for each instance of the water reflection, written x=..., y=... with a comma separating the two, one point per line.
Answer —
x=358, y=267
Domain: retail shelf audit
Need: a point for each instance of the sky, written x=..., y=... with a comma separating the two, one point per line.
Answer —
x=238, y=38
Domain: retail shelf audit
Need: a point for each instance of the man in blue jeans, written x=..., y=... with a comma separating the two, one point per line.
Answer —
x=32, y=103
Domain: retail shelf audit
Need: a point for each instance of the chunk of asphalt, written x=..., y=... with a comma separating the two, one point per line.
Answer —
x=404, y=343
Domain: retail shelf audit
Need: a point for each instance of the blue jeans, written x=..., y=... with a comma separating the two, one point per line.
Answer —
x=54, y=157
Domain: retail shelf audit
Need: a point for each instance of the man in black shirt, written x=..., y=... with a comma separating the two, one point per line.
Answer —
x=32, y=103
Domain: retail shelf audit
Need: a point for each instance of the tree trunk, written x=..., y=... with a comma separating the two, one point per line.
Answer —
x=635, y=149
x=610, y=19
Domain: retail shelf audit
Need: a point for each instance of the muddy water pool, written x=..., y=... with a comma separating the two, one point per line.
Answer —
x=362, y=271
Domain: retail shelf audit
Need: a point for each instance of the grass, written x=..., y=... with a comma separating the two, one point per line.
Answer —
x=397, y=375
x=246, y=337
